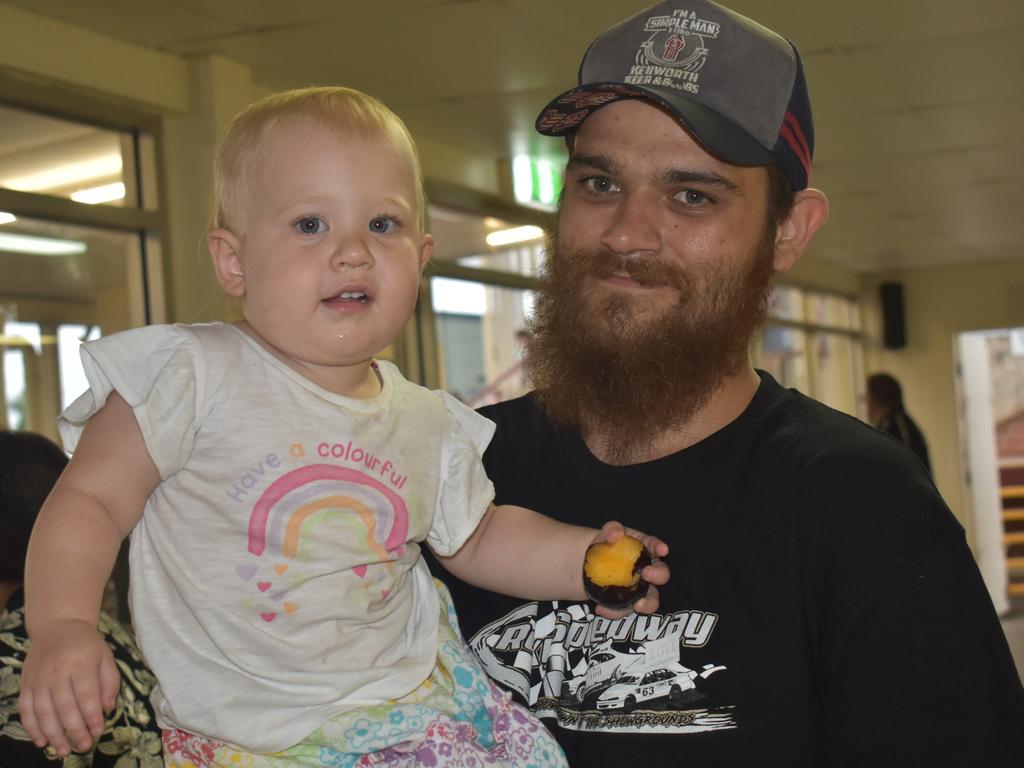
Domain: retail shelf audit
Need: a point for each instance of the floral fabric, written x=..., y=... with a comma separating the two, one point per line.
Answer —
x=131, y=738
x=457, y=717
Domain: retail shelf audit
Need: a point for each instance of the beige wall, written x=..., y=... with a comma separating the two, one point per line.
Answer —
x=940, y=303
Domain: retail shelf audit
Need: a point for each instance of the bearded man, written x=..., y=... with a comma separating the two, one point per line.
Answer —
x=824, y=608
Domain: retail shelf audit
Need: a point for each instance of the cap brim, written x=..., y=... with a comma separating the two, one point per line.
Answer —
x=718, y=135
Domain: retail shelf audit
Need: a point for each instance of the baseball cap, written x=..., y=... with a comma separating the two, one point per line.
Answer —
x=736, y=86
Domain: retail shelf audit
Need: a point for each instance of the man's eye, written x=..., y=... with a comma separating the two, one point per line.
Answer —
x=310, y=225
x=600, y=184
x=694, y=197
x=382, y=225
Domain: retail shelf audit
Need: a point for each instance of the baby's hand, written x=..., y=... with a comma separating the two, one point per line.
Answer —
x=68, y=681
x=655, y=573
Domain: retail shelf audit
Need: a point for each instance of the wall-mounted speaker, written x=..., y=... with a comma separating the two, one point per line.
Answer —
x=894, y=324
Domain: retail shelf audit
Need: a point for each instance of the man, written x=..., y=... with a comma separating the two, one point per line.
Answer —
x=887, y=413
x=823, y=608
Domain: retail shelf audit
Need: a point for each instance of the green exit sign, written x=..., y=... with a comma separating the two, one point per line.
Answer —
x=536, y=181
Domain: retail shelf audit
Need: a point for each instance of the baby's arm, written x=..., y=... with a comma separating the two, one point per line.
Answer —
x=522, y=553
x=69, y=675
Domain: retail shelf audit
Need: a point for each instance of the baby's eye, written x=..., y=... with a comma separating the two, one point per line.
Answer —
x=310, y=225
x=382, y=225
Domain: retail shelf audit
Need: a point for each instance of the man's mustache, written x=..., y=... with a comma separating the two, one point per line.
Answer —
x=649, y=272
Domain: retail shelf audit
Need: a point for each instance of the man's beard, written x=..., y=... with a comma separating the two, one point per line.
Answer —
x=598, y=366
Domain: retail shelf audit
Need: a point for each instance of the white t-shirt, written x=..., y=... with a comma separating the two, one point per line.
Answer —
x=276, y=571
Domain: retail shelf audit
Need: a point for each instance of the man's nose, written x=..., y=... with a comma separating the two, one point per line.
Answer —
x=633, y=227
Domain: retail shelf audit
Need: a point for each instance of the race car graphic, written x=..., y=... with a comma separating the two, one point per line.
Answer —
x=627, y=675
x=603, y=668
x=676, y=683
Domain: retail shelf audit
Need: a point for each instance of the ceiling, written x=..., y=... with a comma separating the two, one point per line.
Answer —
x=918, y=103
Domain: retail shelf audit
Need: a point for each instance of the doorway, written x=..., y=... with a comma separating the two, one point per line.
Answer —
x=990, y=376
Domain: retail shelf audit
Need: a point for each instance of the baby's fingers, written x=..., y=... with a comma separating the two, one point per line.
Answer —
x=110, y=684
x=611, y=532
x=27, y=710
x=655, y=546
x=42, y=722
x=656, y=573
x=72, y=702
x=648, y=603
x=87, y=690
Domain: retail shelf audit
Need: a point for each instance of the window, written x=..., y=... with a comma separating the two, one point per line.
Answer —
x=79, y=251
x=480, y=302
x=812, y=342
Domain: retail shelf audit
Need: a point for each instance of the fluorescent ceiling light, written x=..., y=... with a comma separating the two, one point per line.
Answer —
x=7, y=218
x=42, y=246
x=514, y=235
x=67, y=175
x=103, y=194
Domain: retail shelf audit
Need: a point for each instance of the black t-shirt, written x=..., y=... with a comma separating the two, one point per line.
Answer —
x=824, y=608
x=905, y=429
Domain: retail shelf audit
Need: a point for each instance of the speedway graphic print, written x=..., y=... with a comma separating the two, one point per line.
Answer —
x=629, y=675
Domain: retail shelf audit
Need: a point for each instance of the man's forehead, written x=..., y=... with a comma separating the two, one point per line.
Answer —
x=638, y=136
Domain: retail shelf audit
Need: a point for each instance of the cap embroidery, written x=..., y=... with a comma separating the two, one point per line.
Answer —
x=674, y=54
x=572, y=107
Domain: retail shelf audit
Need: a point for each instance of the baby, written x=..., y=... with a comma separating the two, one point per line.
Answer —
x=277, y=481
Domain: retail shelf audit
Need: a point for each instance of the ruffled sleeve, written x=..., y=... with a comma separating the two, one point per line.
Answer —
x=158, y=371
x=464, y=492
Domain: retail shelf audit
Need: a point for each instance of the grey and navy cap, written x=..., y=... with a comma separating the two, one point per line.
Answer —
x=736, y=86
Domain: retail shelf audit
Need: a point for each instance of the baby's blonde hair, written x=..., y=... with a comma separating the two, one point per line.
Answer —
x=344, y=110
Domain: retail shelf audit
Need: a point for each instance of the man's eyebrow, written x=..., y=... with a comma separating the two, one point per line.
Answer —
x=706, y=178
x=673, y=176
x=601, y=163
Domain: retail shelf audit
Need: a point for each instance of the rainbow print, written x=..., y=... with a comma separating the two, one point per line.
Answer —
x=284, y=519
x=296, y=502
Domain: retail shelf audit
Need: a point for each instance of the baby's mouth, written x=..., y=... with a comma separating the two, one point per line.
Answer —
x=347, y=297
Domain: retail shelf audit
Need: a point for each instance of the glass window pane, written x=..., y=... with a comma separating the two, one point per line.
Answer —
x=481, y=335
x=62, y=283
x=786, y=303
x=64, y=158
x=838, y=371
x=463, y=238
x=830, y=310
x=782, y=352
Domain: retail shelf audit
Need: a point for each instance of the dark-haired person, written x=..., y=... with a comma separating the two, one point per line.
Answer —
x=824, y=608
x=29, y=466
x=887, y=413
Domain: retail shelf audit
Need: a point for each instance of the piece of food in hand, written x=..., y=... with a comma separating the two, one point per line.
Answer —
x=611, y=572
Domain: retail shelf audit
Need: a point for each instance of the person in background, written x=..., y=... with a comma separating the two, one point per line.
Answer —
x=824, y=608
x=29, y=466
x=887, y=413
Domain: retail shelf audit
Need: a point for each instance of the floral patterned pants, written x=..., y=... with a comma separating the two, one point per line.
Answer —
x=457, y=717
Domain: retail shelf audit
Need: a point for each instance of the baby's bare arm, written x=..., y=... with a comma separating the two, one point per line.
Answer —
x=518, y=552
x=69, y=675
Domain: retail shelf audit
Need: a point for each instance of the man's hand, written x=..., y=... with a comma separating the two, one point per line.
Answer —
x=655, y=574
x=68, y=681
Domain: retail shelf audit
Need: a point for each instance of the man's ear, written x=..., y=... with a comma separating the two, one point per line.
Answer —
x=426, y=251
x=795, y=232
x=226, y=252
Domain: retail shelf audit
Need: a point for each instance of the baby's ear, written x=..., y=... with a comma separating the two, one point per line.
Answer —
x=226, y=252
x=426, y=251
